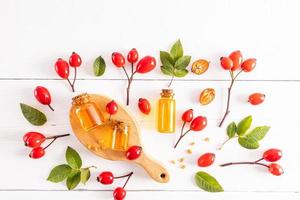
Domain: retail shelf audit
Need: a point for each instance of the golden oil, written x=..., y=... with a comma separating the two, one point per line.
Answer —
x=166, y=112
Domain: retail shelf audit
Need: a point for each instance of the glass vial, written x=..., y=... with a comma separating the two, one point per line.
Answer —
x=87, y=112
x=166, y=112
x=120, y=136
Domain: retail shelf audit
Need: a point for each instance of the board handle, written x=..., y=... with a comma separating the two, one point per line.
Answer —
x=156, y=170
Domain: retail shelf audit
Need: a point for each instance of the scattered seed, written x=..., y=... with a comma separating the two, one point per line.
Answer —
x=182, y=166
x=173, y=161
x=206, y=139
x=192, y=143
x=181, y=159
x=189, y=151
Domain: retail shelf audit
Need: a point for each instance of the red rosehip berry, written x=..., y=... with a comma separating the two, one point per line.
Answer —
x=112, y=107
x=272, y=155
x=237, y=59
x=256, y=98
x=42, y=94
x=146, y=64
x=133, y=56
x=198, y=124
x=62, y=68
x=275, y=169
x=133, y=152
x=187, y=116
x=33, y=139
x=119, y=193
x=37, y=152
x=248, y=65
x=226, y=63
x=206, y=159
x=105, y=178
x=75, y=60
x=118, y=59
x=144, y=106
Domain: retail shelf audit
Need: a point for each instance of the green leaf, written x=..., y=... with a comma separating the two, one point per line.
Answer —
x=258, y=133
x=244, y=125
x=180, y=72
x=182, y=62
x=207, y=182
x=176, y=50
x=73, y=158
x=73, y=180
x=231, y=130
x=33, y=115
x=85, y=175
x=167, y=70
x=59, y=173
x=248, y=143
x=99, y=66
x=166, y=59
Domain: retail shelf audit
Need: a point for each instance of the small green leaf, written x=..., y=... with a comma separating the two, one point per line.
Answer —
x=166, y=59
x=73, y=180
x=244, y=125
x=231, y=130
x=73, y=158
x=85, y=175
x=167, y=70
x=248, y=143
x=176, y=50
x=258, y=133
x=33, y=115
x=59, y=173
x=182, y=62
x=180, y=72
x=99, y=66
x=207, y=182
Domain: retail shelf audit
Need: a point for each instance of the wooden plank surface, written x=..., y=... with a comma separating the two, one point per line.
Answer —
x=35, y=33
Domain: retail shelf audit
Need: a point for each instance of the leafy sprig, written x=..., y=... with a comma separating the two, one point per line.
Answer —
x=72, y=172
x=247, y=139
x=174, y=63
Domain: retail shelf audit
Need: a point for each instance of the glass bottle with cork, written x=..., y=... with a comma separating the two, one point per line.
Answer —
x=166, y=112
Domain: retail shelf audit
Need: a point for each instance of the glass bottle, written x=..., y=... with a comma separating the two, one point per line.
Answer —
x=166, y=112
x=87, y=112
x=120, y=136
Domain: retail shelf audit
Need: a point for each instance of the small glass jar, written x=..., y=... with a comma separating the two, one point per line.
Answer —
x=120, y=136
x=87, y=112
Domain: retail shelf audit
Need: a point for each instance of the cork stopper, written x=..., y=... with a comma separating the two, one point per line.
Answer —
x=167, y=93
x=80, y=99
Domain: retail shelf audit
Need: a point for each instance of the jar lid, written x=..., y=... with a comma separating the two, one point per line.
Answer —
x=167, y=93
x=81, y=99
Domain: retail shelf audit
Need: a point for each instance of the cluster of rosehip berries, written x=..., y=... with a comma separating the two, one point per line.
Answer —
x=271, y=155
x=107, y=177
x=34, y=140
x=62, y=68
x=197, y=123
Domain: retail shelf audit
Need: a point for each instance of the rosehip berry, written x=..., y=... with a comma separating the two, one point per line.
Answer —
x=226, y=63
x=62, y=68
x=248, y=65
x=112, y=107
x=133, y=56
x=237, y=59
x=75, y=60
x=118, y=59
x=33, y=139
x=42, y=95
x=187, y=116
x=275, y=169
x=256, y=98
x=37, y=152
x=206, y=159
x=133, y=152
x=144, y=106
x=272, y=155
x=198, y=123
x=146, y=64
x=106, y=178
x=119, y=193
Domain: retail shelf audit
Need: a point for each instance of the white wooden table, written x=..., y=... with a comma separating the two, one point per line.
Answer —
x=35, y=33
